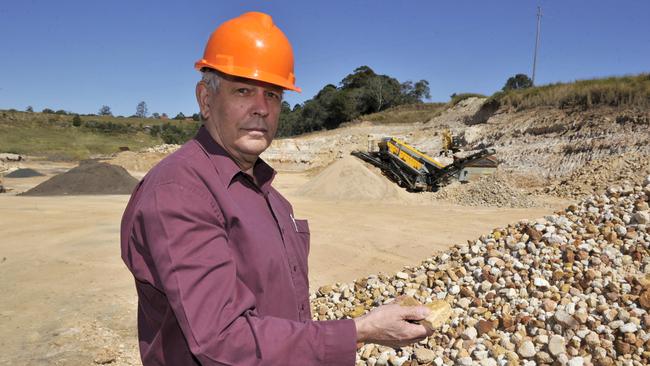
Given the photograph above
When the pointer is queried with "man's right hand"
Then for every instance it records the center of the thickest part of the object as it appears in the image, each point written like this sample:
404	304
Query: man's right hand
388	325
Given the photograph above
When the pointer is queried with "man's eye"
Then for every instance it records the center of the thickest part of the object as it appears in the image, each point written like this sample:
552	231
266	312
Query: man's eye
243	91
274	95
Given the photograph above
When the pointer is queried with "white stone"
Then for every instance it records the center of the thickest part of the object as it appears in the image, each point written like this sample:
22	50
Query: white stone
576	361
628	328
556	345
527	349
455	289
488	362
402	275
541	282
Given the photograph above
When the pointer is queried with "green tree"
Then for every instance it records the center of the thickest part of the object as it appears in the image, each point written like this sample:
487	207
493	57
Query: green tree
141	110
105	111
519	81
415	93
180	116
76	120
29	109
359	78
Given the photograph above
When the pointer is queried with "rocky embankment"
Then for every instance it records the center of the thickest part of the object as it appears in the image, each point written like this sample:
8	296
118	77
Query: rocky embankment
552	143
569	289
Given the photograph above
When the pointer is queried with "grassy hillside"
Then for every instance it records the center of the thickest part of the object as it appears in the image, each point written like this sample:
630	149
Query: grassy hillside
409	113
626	91
56	137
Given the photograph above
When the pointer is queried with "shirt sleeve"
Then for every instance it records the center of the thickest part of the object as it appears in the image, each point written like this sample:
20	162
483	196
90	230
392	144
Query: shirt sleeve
184	232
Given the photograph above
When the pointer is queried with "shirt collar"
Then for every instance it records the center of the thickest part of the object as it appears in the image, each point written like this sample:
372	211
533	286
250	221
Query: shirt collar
226	166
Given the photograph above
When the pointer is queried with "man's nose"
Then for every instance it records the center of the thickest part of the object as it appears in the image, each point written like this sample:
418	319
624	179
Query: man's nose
260	104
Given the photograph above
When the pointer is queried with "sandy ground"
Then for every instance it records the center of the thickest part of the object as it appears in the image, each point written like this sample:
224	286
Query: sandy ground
67	298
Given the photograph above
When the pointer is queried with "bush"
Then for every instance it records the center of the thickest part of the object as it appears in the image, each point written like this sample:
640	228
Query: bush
519	81
457	98
76	120
171	134
109	127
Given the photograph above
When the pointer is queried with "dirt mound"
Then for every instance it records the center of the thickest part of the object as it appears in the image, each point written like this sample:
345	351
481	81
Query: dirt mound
87	178
495	190
24	173
351	179
138	161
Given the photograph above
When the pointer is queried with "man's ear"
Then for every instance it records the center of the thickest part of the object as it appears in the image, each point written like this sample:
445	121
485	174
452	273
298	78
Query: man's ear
202	97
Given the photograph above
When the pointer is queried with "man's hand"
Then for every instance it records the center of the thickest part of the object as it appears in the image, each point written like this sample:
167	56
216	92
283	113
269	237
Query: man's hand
388	325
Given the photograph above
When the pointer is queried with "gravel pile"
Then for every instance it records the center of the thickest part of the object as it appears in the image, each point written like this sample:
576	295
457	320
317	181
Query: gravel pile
350	179
494	190
164	148
88	178
569	289
24	173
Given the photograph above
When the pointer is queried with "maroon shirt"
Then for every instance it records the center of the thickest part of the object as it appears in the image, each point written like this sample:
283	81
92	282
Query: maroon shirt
220	267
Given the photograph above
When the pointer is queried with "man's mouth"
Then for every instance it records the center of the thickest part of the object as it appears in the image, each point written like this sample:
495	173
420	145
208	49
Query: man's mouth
255	131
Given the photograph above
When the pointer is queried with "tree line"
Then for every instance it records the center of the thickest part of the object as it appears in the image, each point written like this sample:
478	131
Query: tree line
361	92
141	111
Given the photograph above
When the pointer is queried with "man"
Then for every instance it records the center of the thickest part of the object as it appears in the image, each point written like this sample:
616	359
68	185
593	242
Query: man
219	259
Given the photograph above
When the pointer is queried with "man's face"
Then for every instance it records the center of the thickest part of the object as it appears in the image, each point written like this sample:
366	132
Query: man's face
242	115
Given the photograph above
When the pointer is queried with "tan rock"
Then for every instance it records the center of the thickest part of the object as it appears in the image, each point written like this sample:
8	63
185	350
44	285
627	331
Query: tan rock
440	311
356	312
644	299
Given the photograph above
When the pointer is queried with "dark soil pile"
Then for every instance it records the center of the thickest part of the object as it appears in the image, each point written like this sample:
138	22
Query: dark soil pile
87	178
24	173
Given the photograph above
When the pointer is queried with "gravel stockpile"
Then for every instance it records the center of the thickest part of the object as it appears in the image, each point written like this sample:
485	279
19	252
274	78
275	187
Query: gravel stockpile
568	289
351	179
24	173
87	178
493	190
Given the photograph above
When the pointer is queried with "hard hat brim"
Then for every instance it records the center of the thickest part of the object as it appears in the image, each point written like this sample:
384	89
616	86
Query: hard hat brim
247	73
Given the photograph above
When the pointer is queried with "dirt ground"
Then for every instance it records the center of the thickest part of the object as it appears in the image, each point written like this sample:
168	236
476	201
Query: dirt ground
69	300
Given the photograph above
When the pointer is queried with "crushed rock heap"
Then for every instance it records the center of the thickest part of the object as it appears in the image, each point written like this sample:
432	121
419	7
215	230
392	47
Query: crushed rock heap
569	289
493	190
24	173
351	179
88	178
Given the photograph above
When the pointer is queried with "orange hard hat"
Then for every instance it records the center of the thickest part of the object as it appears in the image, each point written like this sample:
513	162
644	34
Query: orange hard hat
252	47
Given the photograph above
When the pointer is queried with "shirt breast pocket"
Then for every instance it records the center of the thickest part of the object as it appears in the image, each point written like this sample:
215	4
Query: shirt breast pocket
302	232
300	239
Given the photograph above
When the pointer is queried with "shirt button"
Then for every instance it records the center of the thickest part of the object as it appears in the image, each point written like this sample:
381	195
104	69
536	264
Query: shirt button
295	268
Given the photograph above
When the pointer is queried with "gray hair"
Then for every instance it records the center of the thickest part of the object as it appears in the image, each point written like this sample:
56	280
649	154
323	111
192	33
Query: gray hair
211	79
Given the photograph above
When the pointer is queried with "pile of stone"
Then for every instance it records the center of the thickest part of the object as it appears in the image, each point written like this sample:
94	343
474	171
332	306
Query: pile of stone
569	289
494	190
164	148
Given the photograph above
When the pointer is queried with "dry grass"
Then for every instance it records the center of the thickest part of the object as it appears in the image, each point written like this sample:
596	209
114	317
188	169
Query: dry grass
626	91
409	113
54	137
457	98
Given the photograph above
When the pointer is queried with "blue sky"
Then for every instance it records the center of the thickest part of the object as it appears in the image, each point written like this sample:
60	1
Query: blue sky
80	55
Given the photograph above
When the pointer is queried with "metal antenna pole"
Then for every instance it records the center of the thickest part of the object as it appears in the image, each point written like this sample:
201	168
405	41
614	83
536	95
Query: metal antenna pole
539	21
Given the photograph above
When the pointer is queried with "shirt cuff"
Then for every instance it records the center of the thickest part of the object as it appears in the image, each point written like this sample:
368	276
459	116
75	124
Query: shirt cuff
340	342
